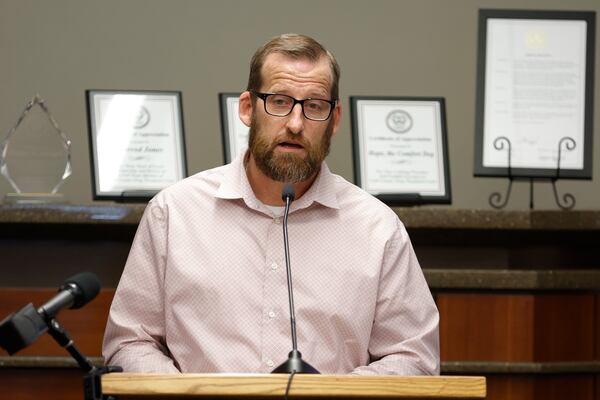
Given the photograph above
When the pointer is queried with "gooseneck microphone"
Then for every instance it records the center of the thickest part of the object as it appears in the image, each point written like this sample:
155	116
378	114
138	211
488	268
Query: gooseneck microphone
294	363
23	327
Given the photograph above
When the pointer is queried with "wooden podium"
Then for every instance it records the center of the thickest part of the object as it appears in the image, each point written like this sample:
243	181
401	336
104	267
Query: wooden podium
261	386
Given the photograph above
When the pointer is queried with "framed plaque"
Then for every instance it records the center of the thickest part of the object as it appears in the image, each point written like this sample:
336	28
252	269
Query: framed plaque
234	131
400	149
535	83
136	143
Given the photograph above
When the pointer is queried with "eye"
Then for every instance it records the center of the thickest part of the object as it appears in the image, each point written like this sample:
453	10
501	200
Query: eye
279	101
315	105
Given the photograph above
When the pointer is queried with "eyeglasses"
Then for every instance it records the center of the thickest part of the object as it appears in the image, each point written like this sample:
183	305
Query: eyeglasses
281	105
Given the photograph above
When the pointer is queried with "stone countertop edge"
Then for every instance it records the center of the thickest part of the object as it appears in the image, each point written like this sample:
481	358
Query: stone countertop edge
533	368
72	214
578	280
414	217
447	367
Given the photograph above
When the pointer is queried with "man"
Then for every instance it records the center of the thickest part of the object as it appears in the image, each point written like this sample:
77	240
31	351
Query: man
204	287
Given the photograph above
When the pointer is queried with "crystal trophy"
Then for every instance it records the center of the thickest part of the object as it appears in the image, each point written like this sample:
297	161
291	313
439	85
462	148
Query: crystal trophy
35	156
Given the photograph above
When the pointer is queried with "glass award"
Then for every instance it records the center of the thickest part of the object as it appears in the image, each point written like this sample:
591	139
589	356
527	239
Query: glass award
35	156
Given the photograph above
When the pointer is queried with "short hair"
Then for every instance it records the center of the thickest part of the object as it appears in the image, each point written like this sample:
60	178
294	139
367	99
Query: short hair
295	46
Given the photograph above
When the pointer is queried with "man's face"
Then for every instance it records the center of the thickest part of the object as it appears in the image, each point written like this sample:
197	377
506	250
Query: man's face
291	148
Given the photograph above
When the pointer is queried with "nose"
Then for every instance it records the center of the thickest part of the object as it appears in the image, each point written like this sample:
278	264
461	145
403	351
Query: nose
295	122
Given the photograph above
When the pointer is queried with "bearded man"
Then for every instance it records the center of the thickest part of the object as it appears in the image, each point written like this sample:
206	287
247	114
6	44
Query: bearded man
204	287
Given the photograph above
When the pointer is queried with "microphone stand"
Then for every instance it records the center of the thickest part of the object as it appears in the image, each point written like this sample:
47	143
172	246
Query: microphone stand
22	328
60	335
294	363
92	383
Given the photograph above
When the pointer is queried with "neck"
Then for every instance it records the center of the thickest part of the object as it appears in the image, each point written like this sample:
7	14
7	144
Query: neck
267	190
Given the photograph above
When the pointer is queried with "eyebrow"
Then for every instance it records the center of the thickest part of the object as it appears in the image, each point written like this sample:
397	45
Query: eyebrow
320	95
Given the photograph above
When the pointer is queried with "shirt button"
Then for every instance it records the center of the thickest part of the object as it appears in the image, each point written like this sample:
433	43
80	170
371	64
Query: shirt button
270	363
272	314
274	266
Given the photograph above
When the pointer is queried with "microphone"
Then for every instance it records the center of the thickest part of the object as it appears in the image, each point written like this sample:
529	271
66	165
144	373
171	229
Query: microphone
20	329
294	363
288	193
74	293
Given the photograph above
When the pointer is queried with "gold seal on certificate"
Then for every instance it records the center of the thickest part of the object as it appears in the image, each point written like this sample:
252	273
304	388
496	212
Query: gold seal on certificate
399	121
142	118
400	150
137	143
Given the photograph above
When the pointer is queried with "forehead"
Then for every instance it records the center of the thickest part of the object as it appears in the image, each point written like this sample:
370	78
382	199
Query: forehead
281	72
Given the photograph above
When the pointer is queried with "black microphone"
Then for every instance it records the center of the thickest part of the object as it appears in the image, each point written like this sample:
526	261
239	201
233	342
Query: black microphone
288	194
294	363
20	329
74	293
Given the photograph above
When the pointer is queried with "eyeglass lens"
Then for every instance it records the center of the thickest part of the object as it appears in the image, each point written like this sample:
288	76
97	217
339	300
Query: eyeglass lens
281	105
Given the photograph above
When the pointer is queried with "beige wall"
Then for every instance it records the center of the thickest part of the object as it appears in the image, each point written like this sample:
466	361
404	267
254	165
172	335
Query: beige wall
60	48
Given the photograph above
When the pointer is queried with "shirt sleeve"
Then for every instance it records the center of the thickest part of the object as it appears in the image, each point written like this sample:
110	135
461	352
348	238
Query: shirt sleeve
134	338
405	335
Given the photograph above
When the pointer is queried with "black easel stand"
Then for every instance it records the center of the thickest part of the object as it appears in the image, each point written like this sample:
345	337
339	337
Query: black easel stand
92	383
568	200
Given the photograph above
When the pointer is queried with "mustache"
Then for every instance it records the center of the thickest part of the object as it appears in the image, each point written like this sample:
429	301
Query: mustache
288	138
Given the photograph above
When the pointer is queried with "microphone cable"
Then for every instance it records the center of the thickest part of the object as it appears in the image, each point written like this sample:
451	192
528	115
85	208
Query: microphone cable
289	384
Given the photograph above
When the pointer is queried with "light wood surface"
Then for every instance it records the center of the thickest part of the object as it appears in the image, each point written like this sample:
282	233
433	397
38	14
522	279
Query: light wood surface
338	386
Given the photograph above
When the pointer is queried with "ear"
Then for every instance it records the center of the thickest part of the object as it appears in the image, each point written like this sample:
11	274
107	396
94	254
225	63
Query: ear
245	108
336	115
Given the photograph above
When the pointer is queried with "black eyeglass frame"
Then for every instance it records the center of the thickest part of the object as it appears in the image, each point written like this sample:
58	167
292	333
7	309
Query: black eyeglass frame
265	96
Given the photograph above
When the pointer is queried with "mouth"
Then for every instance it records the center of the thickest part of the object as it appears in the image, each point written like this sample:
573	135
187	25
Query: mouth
290	146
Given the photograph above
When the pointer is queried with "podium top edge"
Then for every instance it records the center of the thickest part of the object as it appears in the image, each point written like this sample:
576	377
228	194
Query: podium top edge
271	385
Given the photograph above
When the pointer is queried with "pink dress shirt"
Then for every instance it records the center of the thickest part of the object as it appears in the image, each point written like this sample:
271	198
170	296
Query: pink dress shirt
204	286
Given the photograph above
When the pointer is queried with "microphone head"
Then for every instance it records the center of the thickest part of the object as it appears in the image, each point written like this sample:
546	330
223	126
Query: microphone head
288	192
85	286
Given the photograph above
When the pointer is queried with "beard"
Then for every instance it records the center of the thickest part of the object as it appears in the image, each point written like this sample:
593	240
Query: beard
287	167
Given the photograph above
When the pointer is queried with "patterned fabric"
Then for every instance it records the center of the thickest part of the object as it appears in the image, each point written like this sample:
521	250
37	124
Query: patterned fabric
204	288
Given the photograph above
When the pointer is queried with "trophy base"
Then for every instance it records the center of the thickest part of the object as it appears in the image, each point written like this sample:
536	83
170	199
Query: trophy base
34	198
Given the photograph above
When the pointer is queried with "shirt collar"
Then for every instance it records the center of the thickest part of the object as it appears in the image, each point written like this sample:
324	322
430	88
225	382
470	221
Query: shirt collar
235	185
322	191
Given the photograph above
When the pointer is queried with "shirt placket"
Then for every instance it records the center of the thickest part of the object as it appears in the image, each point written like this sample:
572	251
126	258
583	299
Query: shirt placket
274	304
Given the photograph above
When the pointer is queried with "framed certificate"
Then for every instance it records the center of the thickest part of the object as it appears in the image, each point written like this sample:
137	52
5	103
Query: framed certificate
136	143
234	131
400	149
535	85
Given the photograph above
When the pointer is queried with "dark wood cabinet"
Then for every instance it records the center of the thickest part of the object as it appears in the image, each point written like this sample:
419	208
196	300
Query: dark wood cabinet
518	292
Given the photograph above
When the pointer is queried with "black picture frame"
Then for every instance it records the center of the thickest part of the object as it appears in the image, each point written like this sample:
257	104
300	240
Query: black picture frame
144	156
233	133
435	138
554	150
